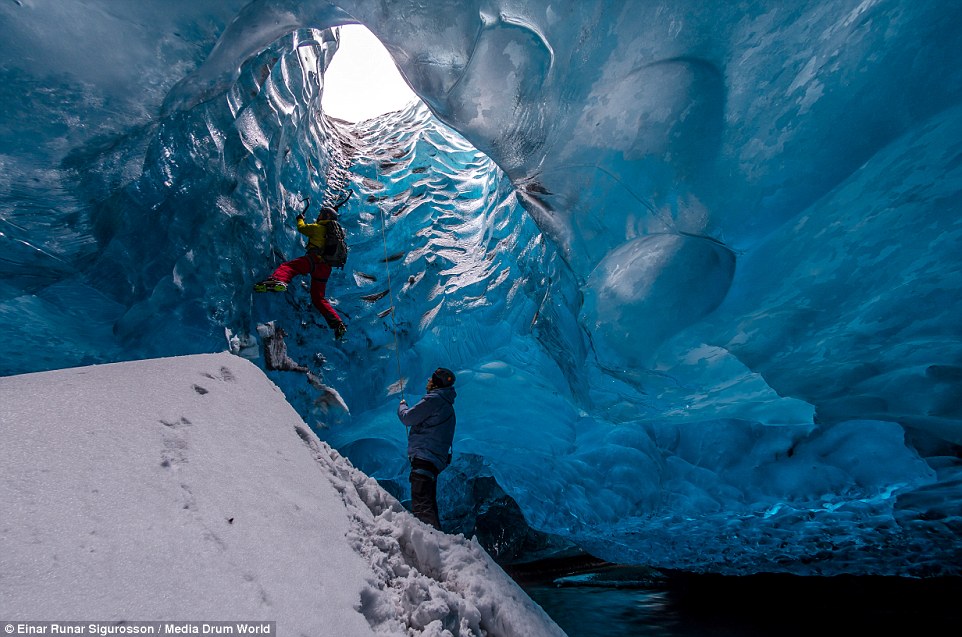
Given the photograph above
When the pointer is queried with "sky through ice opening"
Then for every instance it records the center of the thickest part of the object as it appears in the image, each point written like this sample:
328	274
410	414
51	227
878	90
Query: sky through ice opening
362	81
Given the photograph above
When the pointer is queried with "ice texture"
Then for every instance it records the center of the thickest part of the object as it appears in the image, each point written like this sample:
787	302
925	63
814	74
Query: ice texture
701	289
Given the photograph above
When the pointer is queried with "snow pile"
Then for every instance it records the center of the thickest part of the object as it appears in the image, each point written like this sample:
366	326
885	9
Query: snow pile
188	488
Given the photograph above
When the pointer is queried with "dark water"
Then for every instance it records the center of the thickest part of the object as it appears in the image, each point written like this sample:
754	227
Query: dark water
598	611
608	603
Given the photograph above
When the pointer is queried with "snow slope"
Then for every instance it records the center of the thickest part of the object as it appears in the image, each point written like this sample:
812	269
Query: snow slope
188	489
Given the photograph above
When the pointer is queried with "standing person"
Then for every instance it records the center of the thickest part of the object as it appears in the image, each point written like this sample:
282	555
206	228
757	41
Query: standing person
431	425
311	264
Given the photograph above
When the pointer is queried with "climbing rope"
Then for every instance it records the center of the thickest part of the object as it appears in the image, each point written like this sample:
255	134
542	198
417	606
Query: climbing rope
387	267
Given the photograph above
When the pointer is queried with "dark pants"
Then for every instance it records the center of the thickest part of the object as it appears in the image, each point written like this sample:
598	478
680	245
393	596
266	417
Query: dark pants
424	492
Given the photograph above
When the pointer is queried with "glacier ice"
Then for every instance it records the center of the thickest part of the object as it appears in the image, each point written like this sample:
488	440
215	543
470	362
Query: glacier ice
701	290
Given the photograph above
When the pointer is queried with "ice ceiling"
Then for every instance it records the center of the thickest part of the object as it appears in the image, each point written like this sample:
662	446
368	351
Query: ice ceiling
704	305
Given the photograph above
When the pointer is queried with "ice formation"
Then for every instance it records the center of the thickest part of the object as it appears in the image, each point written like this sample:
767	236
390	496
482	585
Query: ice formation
702	292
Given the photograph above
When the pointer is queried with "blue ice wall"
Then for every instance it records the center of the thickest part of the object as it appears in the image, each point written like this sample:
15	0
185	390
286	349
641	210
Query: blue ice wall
701	291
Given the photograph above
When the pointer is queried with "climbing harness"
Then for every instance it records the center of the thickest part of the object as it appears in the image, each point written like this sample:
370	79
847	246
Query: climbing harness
387	267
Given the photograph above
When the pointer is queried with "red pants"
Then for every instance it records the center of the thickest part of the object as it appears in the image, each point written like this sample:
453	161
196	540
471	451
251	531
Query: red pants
319	272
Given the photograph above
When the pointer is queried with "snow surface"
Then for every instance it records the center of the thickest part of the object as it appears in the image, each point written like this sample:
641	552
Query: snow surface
189	489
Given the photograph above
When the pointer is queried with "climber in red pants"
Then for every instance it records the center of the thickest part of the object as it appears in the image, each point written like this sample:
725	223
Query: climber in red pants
313	264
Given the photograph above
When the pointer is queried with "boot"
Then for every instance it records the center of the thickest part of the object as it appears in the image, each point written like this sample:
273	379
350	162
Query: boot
270	285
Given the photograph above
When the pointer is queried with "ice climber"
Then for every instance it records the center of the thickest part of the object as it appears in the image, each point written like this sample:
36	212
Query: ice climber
430	436
314	264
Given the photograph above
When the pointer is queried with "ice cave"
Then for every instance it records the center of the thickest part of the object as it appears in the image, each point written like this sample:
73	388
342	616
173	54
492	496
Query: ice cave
697	265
